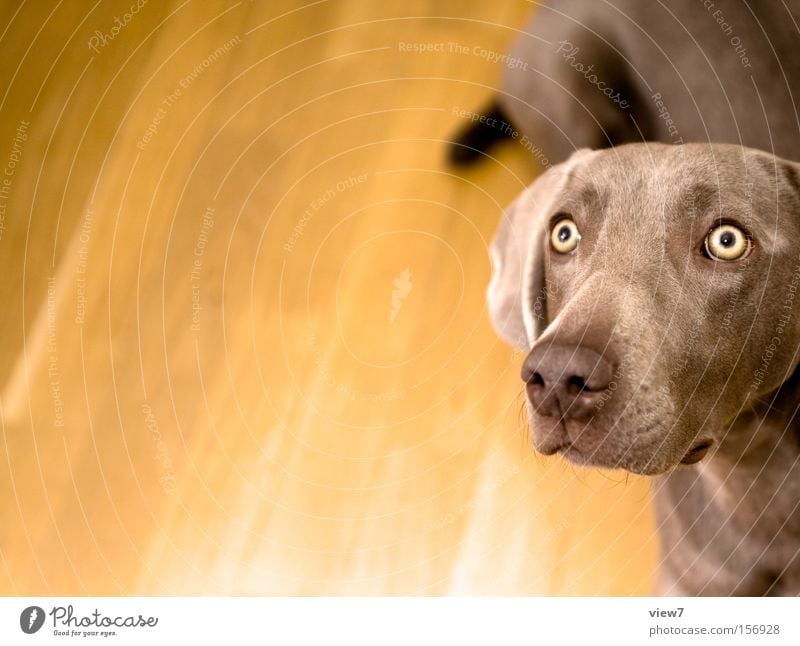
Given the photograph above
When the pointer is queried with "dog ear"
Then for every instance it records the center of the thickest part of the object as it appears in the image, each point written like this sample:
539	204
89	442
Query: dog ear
517	293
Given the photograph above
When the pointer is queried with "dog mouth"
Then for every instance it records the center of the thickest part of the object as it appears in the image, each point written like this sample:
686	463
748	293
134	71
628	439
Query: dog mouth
697	452
562	448
572	451
574	454
559	440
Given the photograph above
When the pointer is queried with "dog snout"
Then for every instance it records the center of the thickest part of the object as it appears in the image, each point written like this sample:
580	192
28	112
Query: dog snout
566	381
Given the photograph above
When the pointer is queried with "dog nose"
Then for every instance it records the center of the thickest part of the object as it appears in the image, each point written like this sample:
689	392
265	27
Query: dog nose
566	380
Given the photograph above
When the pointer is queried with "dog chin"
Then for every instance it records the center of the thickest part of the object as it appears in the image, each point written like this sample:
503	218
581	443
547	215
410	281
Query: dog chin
596	457
587	449
642	467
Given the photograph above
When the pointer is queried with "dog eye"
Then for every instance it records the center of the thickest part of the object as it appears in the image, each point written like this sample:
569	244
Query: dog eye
565	236
727	242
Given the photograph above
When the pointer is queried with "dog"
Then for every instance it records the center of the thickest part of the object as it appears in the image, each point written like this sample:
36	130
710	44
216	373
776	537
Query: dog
645	350
601	73
656	291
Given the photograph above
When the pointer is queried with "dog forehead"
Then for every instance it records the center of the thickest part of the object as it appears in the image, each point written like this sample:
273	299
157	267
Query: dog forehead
644	183
666	168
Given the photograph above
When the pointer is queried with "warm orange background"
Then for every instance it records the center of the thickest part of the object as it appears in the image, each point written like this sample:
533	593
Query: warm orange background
290	436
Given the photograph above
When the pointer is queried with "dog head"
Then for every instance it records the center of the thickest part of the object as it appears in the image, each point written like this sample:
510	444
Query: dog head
655	290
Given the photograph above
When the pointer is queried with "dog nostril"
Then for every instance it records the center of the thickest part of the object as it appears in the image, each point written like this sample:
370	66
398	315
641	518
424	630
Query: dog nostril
577	385
537	379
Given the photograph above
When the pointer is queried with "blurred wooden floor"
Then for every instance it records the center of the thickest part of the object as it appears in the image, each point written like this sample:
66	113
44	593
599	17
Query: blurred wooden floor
208	385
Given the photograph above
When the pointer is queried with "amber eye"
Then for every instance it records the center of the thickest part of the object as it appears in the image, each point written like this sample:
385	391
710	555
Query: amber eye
565	236
727	242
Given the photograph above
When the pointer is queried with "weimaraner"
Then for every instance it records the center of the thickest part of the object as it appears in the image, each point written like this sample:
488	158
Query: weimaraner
654	287
655	290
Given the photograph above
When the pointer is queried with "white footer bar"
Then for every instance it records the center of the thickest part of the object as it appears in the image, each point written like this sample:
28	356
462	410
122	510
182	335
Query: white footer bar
401	621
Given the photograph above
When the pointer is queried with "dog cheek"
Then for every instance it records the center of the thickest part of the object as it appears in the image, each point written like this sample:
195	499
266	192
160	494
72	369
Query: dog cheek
662	432
773	359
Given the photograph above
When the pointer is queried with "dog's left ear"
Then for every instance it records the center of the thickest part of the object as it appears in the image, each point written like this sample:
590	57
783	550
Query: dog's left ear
517	295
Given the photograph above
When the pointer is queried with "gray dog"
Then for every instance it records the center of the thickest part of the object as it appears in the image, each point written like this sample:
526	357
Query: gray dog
654	286
600	73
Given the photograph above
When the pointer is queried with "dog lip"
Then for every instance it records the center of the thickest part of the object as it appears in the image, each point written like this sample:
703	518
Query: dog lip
555	448
697	452
561	444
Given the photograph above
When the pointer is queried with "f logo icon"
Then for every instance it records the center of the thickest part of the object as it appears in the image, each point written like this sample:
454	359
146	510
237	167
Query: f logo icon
31	619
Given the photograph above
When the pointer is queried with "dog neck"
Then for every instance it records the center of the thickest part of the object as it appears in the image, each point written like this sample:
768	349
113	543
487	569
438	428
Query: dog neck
769	425
754	471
